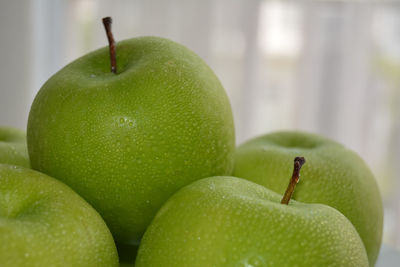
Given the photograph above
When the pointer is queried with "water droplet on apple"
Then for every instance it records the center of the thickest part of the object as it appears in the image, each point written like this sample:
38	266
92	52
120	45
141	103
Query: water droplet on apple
212	186
256	261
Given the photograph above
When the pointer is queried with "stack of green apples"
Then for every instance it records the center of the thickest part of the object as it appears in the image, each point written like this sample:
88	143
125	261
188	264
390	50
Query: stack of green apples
132	146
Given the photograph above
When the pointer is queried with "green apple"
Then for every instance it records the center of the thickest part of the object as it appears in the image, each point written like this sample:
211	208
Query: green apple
228	221
44	223
13	147
126	141
334	176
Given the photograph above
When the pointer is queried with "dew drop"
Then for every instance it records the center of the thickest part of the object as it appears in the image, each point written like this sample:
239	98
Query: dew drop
212	186
256	261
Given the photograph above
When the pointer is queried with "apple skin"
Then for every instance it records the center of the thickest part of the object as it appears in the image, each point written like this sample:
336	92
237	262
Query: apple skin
228	221
127	141
44	223
13	148
334	176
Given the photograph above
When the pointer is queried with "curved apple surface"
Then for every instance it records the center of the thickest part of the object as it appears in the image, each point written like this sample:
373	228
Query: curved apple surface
13	147
334	176
127	141
228	221
44	223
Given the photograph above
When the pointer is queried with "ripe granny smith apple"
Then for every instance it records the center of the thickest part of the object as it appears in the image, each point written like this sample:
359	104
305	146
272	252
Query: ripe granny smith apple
334	176
13	147
228	221
126	141
44	223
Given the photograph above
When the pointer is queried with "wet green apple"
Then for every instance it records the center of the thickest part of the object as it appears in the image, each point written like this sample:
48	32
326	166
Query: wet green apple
44	223
126	141
228	221
13	147
334	176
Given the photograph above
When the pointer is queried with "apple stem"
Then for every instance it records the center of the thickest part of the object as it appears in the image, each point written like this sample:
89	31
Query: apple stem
111	43
298	163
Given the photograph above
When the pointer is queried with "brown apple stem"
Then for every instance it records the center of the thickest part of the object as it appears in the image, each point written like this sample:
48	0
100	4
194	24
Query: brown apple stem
298	163
111	43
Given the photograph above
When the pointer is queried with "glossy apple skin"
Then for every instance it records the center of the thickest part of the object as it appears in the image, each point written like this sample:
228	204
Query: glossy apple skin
227	221
13	148
127	141
333	175
44	223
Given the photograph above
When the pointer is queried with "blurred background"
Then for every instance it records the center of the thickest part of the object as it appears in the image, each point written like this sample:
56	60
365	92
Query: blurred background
329	67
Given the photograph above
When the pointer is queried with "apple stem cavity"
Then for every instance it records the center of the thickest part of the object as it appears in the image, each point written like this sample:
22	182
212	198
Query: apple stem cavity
298	163
107	21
